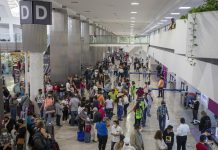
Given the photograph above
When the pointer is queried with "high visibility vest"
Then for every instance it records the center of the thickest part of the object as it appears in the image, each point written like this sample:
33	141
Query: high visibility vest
138	113
142	105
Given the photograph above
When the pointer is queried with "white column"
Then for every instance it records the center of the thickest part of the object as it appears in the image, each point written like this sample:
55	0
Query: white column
86	51
74	46
11	32
58	46
36	73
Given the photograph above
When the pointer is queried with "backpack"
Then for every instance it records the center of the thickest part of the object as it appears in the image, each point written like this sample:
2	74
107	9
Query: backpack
39	142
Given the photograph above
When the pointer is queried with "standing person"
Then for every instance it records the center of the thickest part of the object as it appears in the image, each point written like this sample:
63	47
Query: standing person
13	107
133	90
49	108
120	106
21	133
201	145
39	100
5	140
195	109
205	122
136	138
68	87
162	112
159	141
96	118
168	137
109	107
159	69
8	123
181	134
116	132
150	102
102	133
126	103
74	105
58	111
25	103
160	87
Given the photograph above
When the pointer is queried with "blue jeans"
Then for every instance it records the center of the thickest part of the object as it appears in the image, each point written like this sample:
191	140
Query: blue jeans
109	112
144	117
119	111
48	118
162	122
73	117
13	111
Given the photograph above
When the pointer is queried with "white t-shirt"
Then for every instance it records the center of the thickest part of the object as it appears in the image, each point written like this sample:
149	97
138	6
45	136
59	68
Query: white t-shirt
120	102
68	87
109	103
118	130
126	100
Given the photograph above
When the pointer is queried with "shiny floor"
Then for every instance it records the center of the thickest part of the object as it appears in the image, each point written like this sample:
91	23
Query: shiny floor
66	135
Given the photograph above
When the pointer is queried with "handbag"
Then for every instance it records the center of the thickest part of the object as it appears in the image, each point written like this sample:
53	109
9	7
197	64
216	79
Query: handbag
20	141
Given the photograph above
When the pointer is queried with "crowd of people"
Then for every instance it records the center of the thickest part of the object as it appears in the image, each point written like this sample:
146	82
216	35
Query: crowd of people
97	107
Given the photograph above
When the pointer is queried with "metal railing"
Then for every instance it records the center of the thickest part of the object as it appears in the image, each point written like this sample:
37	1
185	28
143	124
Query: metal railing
14	38
118	39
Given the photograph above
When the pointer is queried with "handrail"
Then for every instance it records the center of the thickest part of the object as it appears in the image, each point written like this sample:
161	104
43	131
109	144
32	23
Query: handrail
118	39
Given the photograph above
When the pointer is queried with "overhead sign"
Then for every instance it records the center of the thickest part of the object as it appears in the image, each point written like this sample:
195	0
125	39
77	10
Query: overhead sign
35	12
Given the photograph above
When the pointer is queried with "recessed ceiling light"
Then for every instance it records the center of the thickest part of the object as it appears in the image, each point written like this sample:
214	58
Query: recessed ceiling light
132	17
184	7
164	20
132	21
134	3
168	17
133	12
175	13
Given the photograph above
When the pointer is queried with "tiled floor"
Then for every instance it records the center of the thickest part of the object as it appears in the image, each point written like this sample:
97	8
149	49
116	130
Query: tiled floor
66	135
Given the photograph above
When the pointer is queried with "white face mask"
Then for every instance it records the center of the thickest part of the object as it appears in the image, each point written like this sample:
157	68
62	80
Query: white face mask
4	133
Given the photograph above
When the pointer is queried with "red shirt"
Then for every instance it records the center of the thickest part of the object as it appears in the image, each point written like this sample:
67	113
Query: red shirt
201	146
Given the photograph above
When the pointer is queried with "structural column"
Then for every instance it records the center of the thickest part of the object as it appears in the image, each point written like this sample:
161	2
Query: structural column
86	50
35	45
92	32
59	45
74	45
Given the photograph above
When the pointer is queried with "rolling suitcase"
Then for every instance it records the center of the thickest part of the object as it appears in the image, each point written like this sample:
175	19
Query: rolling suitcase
80	136
87	137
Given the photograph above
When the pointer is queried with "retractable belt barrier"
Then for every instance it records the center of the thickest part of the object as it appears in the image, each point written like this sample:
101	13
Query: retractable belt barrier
151	73
165	89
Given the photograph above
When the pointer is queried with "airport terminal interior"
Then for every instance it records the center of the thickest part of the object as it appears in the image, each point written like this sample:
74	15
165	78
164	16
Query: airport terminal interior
109	74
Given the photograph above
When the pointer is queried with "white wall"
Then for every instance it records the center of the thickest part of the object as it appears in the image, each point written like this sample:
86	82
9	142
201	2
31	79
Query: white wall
207	35
203	76
172	39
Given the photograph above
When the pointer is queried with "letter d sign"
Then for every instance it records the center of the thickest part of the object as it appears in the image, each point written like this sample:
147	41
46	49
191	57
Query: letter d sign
35	12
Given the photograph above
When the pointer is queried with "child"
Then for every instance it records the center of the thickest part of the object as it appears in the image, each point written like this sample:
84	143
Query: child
88	128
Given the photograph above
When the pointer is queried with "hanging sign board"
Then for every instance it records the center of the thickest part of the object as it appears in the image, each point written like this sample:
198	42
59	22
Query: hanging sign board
35	12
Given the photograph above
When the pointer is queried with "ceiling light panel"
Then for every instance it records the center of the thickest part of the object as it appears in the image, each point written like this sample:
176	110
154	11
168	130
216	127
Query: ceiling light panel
134	3
185	8
175	13
134	12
